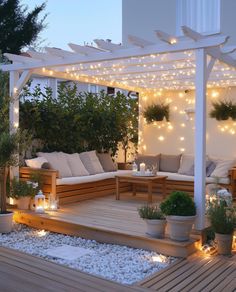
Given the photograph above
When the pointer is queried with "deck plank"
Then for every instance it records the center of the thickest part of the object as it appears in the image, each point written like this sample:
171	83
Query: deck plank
27	273
196	273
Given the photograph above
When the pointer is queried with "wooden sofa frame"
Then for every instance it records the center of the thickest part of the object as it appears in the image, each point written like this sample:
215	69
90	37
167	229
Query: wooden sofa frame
83	191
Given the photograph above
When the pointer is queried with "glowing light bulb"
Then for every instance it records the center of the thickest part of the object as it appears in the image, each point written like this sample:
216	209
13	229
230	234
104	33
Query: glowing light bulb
161	138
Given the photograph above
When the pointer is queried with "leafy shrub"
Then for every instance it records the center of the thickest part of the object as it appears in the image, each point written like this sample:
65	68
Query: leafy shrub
223	110
222	218
178	204
79	121
150	212
20	189
157	112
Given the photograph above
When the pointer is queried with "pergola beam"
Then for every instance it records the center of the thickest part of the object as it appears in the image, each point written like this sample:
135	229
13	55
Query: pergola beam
108	46
84	50
72	58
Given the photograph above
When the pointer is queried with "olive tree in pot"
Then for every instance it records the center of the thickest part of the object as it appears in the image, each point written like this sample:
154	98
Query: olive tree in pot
223	222
180	212
154	219
8	148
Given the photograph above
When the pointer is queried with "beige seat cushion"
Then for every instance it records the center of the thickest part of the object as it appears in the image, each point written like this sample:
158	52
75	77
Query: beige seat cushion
91	178
57	161
76	165
91	162
170	163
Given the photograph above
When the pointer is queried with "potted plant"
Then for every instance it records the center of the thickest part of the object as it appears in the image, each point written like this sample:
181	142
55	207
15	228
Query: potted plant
154	219
22	192
223	222
180	212
223	110
157	112
8	147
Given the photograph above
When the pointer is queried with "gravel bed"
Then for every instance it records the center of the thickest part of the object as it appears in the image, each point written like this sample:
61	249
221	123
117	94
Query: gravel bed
122	264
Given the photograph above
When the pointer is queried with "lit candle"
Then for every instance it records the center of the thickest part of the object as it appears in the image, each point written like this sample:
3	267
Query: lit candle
142	168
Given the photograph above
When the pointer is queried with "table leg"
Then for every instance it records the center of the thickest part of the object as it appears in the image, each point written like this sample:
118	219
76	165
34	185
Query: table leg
164	188
117	188
150	192
134	189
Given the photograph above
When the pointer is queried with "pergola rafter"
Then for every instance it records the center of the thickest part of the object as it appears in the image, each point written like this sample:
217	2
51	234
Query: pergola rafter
175	63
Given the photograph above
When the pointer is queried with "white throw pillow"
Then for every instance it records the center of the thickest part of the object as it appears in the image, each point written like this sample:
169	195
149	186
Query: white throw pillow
91	162
223	167
36	162
57	161
76	165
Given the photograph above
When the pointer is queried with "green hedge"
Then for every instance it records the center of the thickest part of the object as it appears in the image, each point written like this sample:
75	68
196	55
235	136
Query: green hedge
75	121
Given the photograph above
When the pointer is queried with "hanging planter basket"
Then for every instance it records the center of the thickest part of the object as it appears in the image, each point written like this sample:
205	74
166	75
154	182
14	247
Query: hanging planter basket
223	110
157	113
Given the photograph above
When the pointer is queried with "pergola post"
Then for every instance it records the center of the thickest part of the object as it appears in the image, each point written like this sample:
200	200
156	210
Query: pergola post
53	85
17	82
14	101
200	137
14	111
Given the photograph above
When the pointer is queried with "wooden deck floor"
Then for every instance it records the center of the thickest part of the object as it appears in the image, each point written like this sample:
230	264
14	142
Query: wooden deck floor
20	272
106	220
195	274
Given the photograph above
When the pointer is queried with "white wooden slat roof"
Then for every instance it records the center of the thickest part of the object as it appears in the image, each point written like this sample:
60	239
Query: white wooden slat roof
167	64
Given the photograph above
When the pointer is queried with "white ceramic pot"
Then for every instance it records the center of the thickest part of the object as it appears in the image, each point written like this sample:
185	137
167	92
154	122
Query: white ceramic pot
23	203
155	227
180	227
224	243
6	222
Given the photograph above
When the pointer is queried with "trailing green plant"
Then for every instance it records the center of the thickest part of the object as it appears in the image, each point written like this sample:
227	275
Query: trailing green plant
79	121
178	204
222	217
157	112
150	212
223	110
21	189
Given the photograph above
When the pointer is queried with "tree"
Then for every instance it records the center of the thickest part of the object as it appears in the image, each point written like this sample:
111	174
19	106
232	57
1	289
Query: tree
18	27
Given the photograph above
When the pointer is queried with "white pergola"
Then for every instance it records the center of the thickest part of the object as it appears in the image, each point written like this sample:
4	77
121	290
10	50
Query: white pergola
188	62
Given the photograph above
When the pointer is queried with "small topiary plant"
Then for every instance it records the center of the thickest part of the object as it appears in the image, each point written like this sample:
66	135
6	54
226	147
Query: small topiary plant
178	204
150	212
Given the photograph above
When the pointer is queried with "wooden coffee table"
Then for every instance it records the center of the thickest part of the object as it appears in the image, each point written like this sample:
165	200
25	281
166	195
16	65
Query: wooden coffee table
144	180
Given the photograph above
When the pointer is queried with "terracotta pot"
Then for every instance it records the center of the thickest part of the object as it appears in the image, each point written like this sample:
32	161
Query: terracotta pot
224	243
180	227
6	222
23	203
155	227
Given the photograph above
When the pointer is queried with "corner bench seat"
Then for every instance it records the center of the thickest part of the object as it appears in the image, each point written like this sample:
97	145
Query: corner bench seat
74	189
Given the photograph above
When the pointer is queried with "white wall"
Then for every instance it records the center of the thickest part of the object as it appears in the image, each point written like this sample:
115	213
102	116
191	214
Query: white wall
142	17
178	135
228	19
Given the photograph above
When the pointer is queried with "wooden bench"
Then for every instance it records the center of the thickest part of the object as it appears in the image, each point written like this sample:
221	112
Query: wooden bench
83	191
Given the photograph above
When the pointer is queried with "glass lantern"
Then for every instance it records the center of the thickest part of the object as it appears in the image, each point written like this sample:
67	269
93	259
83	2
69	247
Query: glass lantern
53	202
39	200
